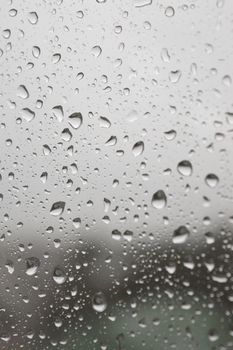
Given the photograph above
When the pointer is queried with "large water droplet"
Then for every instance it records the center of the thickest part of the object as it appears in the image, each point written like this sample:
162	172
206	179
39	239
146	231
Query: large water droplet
66	135
212	180
75	120
185	168
59	276
138	148
33	17
28	114
32	265
57	208
58	113
99	303
180	235
22	92
159	200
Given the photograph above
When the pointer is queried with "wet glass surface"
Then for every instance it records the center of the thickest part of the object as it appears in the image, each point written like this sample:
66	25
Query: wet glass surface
116	175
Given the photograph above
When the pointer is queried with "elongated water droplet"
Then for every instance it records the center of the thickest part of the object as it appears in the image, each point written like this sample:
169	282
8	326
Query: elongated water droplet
138	148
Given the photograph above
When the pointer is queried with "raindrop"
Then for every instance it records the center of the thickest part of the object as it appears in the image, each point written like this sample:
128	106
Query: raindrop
22	92
28	114
32	265
185	168
159	200
212	180
180	235
169	11
59	276
66	135
58	113
96	51
57	208
175	76
138	148
99	303
142	3
56	58
33	17
75	120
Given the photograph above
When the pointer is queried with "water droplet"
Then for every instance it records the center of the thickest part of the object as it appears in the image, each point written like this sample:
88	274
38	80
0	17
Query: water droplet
111	141
96	51
22	92
46	150
142	3
159	200
66	135
56	58
180	235
59	276
33	17
77	223
76	120
212	180
32	265
58	113
28	114
138	148
36	51
174	76
57	208
169	11
185	168
170	134
99	303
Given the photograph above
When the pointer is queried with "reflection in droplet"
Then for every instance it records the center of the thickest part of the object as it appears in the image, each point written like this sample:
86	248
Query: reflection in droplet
57	208
99	303
185	168
138	148
180	235
76	120
159	200
212	180
59	276
32	265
